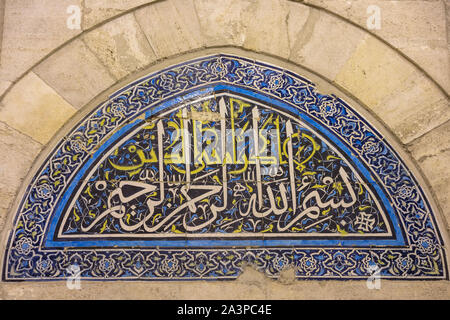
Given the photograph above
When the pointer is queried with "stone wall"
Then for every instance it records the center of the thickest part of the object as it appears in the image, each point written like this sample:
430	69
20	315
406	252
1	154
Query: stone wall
398	74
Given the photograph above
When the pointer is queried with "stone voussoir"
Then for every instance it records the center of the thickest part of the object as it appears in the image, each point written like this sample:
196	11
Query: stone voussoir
325	43
415	108
18	153
75	73
171	27
96	11
221	22
31	30
120	45
432	153
35	109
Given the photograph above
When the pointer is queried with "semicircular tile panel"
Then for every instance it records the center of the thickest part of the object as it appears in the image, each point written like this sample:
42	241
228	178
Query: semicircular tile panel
192	171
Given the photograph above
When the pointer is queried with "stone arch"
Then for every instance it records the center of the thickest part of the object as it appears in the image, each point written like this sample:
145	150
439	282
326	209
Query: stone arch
96	13
353	66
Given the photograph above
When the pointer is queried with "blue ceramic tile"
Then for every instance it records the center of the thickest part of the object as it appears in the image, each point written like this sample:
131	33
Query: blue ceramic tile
192	171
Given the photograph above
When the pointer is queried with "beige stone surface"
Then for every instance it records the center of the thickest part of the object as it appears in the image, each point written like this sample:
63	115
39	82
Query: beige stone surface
433	59
75	73
120	45
2	15
431	144
39	113
415	27
18	153
171	26
262	26
373	72
432	152
31	30
447	10
296	19
4	85
436	170
325	44
221	21
415	108
266	27
96	11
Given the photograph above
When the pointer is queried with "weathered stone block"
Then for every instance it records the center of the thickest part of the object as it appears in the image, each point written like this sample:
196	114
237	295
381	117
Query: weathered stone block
120	45
296	19
18	152
266	27
34	108
416	28
325	44
31	30
4	85
171	26
432	143
436	170
415	108
96	11
432	152
373	72
75	73
221	21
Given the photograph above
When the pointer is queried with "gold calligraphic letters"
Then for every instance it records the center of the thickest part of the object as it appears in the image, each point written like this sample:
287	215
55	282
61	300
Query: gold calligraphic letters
191	171
223	166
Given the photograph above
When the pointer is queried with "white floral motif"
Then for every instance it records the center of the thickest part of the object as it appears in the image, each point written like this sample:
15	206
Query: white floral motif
328	108
308	264
118	109
170	265
405	192
365	221
167	82
219	69
370	147
107	265
276	82
44	265
279	263
201	263
24	245
44	191
77	145
404	263
426	245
